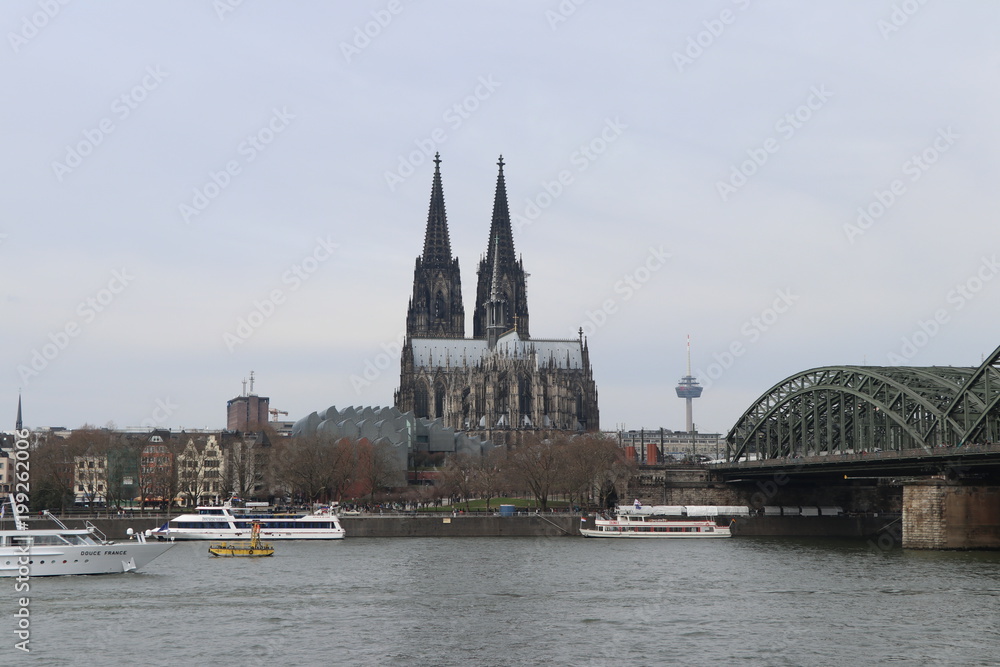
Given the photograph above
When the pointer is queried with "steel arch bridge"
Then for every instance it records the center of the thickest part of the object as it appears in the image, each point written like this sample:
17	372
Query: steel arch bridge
849	409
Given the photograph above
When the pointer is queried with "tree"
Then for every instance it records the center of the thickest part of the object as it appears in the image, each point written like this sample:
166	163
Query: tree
375	464
491	475
313	466
538	463
459	477
594	463
53	467
245	463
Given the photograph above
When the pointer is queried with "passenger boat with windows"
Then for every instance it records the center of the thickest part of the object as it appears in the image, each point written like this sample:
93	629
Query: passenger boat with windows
252	549
234	519
651	522
46	552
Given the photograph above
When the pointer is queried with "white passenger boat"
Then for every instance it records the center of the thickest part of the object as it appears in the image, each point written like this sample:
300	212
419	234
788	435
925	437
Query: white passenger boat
33	552
233	520
644	521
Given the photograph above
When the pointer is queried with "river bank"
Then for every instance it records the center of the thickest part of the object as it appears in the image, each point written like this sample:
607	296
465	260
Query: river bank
553	524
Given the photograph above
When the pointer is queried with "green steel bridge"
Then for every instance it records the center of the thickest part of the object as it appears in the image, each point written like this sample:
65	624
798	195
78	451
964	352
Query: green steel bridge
890	419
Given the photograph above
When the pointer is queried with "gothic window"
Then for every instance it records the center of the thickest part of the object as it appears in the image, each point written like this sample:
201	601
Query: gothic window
581	417
465	408
420	400
502	396
439	306
439	400
524	396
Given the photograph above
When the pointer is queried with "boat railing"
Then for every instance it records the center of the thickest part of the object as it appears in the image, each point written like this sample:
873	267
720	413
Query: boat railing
52	517
95	530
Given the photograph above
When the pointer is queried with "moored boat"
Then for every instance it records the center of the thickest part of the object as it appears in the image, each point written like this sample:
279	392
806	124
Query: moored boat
46	552
639	521
235	520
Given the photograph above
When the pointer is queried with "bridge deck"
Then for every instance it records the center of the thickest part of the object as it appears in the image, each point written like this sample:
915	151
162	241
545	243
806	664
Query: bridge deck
957	461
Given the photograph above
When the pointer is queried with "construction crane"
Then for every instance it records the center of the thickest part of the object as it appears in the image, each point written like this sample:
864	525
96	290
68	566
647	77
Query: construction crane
275	412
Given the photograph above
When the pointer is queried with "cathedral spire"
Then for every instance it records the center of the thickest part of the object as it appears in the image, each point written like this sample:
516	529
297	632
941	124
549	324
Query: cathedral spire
500	232
18	426
437	245
501	266
435	309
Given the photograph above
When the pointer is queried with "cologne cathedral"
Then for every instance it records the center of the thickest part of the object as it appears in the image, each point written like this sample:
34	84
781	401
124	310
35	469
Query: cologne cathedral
501	381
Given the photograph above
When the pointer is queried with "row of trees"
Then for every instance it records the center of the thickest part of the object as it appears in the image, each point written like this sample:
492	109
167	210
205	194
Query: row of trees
317	468
586	469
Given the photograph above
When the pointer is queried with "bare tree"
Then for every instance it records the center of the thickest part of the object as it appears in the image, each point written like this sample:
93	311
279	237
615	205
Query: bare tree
538	462
245	463
459	477
311	465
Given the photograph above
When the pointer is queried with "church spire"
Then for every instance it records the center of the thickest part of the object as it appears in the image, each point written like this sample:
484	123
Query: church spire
500	266
18	426
437	245
500	233
436	309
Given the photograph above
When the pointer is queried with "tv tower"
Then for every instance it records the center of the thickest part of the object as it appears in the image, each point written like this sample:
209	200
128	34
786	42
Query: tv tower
689	389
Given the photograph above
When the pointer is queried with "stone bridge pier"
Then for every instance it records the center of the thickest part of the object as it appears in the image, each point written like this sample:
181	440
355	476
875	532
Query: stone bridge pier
941	514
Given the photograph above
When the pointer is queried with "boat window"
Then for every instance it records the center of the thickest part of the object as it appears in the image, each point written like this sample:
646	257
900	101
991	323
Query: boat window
710	530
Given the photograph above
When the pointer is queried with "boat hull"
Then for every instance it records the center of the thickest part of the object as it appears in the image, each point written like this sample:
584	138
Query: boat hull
183	534
57	560
628	534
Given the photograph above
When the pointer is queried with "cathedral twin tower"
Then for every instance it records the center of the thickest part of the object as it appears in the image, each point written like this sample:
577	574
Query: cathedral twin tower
500	380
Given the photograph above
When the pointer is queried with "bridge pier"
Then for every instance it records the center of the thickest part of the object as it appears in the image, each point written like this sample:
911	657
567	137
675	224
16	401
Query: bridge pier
941	514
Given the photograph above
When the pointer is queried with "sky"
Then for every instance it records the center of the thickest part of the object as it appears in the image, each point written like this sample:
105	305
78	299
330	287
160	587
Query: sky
192	191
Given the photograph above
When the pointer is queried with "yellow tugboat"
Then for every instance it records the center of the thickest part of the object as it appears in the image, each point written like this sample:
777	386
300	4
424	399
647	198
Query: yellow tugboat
253	549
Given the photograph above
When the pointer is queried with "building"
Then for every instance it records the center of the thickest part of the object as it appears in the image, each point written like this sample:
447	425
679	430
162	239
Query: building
500	381
248	411
201	470
407	442
661	445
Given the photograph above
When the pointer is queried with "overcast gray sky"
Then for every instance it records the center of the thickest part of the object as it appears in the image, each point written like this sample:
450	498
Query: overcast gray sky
192	191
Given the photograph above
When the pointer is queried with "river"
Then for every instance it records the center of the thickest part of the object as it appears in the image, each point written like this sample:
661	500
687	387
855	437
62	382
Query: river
524	601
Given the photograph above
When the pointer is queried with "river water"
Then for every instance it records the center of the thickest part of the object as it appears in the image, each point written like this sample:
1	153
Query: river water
524	601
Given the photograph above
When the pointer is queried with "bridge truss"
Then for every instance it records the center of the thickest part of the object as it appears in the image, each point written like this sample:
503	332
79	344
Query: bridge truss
844	409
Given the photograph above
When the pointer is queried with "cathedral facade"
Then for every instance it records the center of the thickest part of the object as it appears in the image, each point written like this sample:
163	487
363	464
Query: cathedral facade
500	381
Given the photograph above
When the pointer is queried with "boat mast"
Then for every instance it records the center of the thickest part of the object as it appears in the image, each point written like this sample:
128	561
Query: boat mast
19	523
